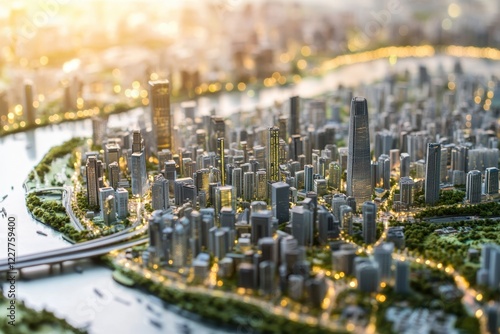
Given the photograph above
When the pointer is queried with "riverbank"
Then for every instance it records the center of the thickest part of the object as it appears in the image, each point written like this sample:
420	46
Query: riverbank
222	309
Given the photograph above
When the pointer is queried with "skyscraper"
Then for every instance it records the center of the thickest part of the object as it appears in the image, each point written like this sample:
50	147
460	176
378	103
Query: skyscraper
432	173
29	109
358	159
221	159
92	182
473	187
121	202
491	181
279	201
369	226
273	146
113	174
294	115
160	114
139	175
404	167
107	204
160	193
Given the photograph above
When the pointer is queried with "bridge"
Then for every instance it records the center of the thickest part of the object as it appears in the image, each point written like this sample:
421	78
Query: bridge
129	237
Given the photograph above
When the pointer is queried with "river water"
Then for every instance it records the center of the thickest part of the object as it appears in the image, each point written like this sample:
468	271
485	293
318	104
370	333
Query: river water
71	295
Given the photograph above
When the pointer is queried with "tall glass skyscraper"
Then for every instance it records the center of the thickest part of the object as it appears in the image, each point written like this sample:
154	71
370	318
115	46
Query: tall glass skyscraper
273	147
432	173
358	159
160	114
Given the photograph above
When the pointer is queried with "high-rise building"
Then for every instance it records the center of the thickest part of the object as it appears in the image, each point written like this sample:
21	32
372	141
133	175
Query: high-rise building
160	193
139	175
402	280
294	115
107	204
369	227
404	167
334	175
121	201
280	201
473	187
261	185
383	256
221	159
406	185
302	225
358	159
159	97
92	182
179	246
261	225
29	109
113	175
367	275
432	173
308	178
491	181
111	153
273	156
248	186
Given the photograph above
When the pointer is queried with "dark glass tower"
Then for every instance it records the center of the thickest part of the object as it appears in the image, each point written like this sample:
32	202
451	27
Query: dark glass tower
358	159
160	114
432	173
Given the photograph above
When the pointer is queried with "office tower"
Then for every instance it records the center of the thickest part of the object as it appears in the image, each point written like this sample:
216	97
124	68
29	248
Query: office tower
159	98
139	175
320	187
375	174
246	276
160	193
99	125
217	130
334	176
404	167
29	109
492	318
432	173
358	159
385	171
295	286
302	225
280	201
402	280
316	289
184	190
337	201
248	186
369	225
383	142
170	173
308	178
473	187
346	219
179	246
282	121
220	244
406	186
237	181
367	275
269	249
325	223
443	165
261	186
494	268
491	181
266	277
202	179
163	156
121	200
394	157
261	225
111	153
383	256
343	259
107	205
113	175
221	160
227	218
294	115
224	196
137	142
273	157
155	233
92	182
295	147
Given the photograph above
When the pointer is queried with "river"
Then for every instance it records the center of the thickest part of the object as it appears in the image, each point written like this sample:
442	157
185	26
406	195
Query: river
71	295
